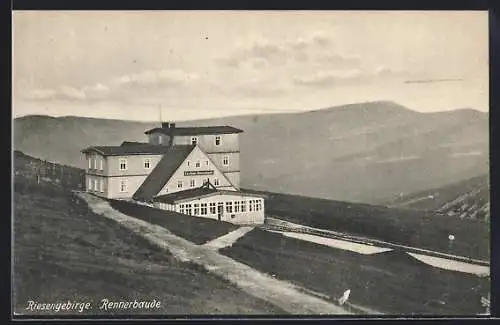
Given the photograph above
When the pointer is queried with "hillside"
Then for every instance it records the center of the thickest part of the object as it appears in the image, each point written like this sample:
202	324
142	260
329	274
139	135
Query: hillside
391	282
64	252
421	229
361	152
466	199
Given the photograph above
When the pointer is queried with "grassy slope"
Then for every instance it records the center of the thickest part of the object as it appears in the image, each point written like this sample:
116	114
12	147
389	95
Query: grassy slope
64	252
390	282
463	199
195	229
406	227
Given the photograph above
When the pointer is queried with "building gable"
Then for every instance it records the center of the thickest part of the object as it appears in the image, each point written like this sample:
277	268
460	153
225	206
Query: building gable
187	173
162	172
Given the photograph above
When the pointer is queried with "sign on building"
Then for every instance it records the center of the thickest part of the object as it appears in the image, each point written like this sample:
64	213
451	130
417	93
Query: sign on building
198	172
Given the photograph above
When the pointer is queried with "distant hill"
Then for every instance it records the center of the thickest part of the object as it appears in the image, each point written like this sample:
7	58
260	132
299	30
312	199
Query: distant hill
363	152
468	199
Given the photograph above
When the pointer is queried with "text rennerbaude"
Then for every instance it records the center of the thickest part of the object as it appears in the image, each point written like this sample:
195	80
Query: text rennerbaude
107	305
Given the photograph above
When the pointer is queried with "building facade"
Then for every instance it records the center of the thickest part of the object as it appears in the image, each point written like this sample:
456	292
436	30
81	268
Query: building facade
220	143
178	169
208	202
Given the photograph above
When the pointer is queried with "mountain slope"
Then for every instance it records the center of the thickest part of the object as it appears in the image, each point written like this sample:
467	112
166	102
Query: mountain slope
466	199
361	152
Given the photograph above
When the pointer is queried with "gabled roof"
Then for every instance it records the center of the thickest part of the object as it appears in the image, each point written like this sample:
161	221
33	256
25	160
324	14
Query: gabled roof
203	191
128	148
162	172
196	130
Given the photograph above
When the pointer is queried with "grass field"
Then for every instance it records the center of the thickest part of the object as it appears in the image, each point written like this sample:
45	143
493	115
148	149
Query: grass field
406	227
62	252
195	229
390	282
434	199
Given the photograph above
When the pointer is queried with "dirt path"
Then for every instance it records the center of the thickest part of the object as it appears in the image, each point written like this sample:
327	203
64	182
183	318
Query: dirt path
228	239
280	293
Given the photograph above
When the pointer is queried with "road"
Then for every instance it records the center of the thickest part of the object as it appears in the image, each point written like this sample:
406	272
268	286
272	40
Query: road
280	293
282	225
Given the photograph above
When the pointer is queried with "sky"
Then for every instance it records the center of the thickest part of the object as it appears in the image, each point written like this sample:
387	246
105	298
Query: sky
198	64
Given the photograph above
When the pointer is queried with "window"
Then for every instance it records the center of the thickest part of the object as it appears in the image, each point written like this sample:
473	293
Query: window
196	209
90	163
102	186
198	164
217	140
101	164
147	163
216	182
243	206
192	183
90	183
188	163
160	139
212	207
123	185
225	161
188	209
179	183
96	186
259	205
229	207
123	164
236	206
95	163
206	162
181	209
194	140
250	205
203	209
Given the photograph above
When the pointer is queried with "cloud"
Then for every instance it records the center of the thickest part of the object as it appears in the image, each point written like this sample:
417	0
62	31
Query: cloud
116	87
432	80
155	78
328	78
342	76
300	50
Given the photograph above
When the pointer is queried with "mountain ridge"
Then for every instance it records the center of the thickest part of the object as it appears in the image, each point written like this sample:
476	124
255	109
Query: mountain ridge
361	152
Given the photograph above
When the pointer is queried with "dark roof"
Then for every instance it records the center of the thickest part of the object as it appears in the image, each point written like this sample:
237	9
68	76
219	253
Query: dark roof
131	143
128	148
204	190
162	172
186	194
196	130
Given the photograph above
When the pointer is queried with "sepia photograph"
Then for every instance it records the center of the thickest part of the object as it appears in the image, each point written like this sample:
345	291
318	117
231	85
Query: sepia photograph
250	163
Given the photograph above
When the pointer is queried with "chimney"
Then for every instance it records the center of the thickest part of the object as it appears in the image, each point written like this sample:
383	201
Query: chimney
164	125
171	135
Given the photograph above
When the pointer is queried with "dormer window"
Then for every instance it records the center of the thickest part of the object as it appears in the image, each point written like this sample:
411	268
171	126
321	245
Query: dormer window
217	140
194	140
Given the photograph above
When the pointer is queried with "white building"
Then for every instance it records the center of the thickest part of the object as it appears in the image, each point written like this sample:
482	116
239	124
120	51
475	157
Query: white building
176	160
207	201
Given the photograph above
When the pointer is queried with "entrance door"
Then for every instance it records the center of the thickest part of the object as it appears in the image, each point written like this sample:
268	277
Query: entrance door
220	211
